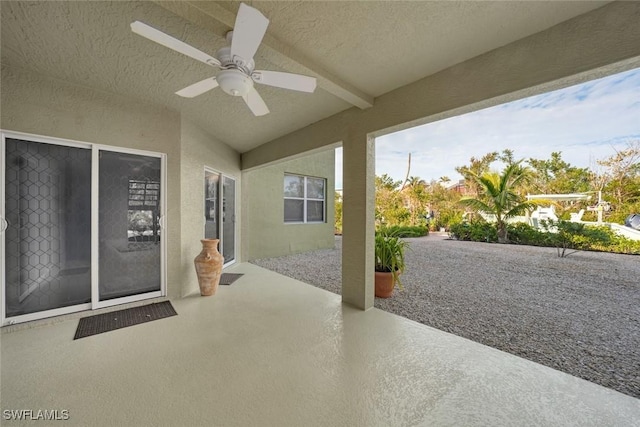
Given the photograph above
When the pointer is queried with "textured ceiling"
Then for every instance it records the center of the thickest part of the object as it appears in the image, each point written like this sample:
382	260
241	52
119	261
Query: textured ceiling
367	47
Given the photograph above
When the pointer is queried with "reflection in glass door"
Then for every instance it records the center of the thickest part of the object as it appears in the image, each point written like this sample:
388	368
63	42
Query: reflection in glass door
48	226
211	202
229	219
219	213
129	224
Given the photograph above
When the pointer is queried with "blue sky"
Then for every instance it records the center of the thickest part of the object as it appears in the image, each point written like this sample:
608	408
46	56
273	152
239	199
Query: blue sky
585	122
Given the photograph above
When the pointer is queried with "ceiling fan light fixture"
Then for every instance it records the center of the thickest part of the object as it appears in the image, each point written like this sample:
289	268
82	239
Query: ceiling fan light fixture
236	63
234	82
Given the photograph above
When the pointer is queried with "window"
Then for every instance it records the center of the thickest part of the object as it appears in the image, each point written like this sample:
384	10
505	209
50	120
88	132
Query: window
304	199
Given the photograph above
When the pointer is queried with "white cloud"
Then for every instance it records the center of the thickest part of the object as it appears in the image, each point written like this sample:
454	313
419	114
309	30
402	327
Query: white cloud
582	121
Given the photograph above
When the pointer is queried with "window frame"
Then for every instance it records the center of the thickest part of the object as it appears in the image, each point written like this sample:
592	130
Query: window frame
305	199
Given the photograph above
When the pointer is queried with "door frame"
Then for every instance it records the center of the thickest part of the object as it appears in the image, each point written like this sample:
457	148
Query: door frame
219	211
95	231
95	302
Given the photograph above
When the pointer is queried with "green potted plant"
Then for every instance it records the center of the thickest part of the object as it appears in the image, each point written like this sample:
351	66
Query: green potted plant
389	251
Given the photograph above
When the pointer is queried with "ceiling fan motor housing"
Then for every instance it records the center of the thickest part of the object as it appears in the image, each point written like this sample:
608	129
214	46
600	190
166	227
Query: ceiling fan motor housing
230	62
234	82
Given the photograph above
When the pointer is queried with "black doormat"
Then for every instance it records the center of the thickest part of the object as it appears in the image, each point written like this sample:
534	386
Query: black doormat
229	278
106	322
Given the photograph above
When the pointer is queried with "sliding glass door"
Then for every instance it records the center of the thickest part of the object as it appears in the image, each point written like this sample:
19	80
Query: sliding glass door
80	226
220	212
47	196
129	224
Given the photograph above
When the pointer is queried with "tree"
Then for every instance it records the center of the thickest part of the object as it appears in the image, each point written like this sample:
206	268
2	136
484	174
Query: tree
385	182
556	176
506	157
497	196
415	194
443	202
622	174
390	209
477	167
338	213
618	177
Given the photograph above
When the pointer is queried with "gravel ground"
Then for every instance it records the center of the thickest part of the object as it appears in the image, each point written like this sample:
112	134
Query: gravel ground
580	314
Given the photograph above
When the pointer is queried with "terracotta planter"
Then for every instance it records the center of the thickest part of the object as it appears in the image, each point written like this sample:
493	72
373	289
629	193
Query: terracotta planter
209	267
384	284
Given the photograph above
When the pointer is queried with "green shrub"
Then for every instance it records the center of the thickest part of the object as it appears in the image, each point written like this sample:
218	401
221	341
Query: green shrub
405	230
524	234
577	236
475	231
446	219
563	235
619	215
616	243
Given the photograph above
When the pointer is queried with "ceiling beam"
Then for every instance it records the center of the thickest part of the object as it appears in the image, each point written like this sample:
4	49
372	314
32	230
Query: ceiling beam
219	20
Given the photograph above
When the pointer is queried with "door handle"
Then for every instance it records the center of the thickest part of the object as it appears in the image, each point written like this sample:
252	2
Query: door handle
3	224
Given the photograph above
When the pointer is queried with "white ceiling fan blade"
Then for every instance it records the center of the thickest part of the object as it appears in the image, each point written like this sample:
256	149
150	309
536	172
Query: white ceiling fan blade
255	103
198	88
248	32
285	80
166	40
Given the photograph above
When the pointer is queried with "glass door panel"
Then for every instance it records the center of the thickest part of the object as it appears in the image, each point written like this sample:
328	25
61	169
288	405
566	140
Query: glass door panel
211	205
228	219
48	238
219	212
129	224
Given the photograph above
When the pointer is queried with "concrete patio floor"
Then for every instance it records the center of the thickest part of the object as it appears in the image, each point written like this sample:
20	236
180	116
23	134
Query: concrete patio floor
270	350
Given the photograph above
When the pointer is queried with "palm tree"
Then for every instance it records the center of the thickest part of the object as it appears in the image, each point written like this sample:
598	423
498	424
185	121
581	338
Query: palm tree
497	196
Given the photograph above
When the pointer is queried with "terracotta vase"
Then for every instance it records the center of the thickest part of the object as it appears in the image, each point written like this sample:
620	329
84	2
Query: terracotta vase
209	267
384	284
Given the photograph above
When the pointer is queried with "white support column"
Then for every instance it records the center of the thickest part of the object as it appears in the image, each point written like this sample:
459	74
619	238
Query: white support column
358	222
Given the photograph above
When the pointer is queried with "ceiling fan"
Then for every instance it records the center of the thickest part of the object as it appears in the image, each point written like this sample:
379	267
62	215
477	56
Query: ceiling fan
237	73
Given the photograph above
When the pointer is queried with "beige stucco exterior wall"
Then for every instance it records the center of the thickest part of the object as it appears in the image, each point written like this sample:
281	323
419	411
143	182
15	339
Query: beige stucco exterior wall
264	232
199	149
39	105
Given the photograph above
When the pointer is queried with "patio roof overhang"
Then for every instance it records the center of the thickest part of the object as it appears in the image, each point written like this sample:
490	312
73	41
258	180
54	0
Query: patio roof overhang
592	45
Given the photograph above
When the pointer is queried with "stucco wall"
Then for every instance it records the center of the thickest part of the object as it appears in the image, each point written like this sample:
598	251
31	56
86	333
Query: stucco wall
39	105
264	231
200	149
